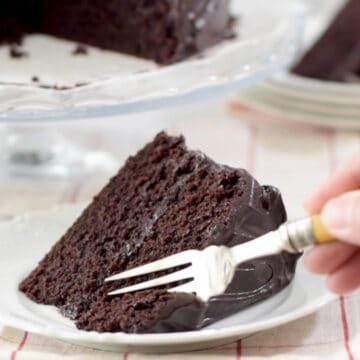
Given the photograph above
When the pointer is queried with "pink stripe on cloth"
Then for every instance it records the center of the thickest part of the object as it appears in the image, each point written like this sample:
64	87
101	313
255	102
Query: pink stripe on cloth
344	321
20	347
126	356
345	328
238	349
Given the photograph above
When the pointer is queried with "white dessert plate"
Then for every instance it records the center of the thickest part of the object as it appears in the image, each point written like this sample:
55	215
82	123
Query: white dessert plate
25	240
306	100
267	37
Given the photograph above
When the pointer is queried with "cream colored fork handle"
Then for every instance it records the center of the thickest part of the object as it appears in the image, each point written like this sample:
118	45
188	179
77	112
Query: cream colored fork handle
303	233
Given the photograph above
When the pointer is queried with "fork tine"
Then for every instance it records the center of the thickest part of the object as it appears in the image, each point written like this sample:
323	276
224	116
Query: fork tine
162	264
162	280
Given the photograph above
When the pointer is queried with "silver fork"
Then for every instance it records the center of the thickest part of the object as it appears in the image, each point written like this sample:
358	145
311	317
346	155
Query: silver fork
211	270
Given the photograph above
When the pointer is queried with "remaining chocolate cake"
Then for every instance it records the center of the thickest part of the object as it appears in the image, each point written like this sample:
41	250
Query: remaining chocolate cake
164	200
336	55
163	30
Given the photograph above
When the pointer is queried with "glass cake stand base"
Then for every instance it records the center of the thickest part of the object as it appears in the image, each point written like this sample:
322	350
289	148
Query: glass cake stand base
33	151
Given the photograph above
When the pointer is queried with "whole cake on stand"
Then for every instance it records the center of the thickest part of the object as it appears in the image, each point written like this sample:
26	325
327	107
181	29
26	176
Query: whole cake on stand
66	60
163	30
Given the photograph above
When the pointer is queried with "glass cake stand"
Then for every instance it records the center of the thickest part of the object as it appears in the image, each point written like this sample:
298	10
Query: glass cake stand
51	85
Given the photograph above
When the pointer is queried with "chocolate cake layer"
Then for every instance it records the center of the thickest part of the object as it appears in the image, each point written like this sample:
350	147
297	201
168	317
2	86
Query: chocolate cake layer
162	30
164	200
336	55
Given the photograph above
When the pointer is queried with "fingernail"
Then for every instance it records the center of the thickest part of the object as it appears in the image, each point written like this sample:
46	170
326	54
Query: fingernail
341	216
337	213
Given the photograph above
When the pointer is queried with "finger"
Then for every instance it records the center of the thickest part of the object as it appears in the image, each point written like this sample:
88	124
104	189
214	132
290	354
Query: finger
325	259
341	217
344	180
347	277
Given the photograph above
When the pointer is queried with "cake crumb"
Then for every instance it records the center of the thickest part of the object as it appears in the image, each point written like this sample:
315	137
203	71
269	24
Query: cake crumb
16	53
80	50
35	79
81	83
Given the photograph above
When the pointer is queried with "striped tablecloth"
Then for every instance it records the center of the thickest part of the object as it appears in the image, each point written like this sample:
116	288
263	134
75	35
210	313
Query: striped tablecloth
293	158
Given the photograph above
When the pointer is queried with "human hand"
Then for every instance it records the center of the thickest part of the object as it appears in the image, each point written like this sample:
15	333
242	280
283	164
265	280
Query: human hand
338	202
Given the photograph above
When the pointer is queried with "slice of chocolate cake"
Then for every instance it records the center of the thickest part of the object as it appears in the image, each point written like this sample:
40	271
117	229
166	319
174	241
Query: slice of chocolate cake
162	30
164	200
336	55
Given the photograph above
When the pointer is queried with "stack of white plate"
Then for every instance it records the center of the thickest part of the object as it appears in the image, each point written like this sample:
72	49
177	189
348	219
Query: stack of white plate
307	100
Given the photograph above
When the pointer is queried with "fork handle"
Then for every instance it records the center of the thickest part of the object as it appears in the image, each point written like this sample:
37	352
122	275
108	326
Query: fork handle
306	232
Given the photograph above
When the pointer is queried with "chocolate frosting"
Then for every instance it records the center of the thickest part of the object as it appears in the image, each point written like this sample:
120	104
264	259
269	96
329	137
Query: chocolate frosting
200	24
254	281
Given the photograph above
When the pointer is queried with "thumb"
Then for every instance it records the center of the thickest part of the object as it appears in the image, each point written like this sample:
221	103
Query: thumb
341	216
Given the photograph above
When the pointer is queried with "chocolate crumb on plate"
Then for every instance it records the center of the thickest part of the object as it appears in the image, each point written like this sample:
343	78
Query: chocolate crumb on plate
80	50
17	53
